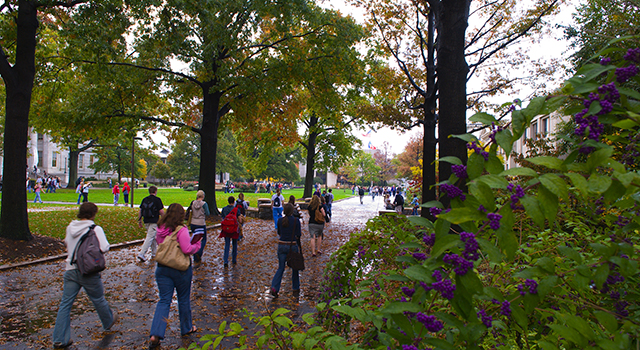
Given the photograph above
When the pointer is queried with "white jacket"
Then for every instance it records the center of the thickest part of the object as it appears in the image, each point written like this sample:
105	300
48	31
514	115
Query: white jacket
75	230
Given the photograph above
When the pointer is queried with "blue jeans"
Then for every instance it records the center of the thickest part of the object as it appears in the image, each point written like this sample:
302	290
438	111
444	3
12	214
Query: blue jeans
168	279
203	240
37	199
79	197
283	250
92	284
329	209
277	214
234	254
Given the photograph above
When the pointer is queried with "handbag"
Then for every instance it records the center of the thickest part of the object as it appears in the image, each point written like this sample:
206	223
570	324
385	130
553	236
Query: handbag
318	217
295	260
169	253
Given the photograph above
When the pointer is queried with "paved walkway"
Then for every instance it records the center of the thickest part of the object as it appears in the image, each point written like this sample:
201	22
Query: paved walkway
29	296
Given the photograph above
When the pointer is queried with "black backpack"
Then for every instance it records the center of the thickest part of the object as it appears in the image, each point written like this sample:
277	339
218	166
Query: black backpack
361	191
146	208
87	255
276	201
399	199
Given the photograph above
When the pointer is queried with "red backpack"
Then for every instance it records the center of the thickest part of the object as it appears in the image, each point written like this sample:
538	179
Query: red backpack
230	224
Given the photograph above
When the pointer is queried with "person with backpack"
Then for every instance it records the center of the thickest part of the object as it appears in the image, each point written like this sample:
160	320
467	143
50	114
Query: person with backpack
289	233
74	280
416	204
316	224
242	209
277	202
399	203
125	192
229	230
199	211
361	194
151	208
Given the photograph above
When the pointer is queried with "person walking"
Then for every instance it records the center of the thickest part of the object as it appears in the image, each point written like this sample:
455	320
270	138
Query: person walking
230	238
361	194
79	190
296	208
199	211
85	191
116	193
37	190
169	279
277	200
242	209
289	233
416	204
329	202
316	227
151	209
398	202
74	280
125	192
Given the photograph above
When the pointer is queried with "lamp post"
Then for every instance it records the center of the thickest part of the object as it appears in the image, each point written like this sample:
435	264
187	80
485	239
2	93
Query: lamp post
133	159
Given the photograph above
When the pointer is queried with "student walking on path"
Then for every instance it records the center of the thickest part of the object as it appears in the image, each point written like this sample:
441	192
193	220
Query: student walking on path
199	211
37	190
116	193
289	234
230	230
74	280
277	200
316	225
169	279
151	208
125	192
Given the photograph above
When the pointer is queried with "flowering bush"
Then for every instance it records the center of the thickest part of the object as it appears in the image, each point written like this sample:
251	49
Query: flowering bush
522	258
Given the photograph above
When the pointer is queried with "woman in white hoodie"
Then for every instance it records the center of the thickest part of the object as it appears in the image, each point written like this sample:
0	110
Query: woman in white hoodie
74	279
199	211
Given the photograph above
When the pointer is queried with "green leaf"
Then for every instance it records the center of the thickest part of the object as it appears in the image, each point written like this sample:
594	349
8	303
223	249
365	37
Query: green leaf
570	253
555	184
440	343
615	191
442	228
504	139
465	137
519	171
471	283
483	193
450	159
598	183
418	272
420	221
534	107
626	124
629	92
607	320
548	203
627	178
460	215
542	344
507	242
298	339
279	311
494	181
546	264
495	256
546	285
518	123
494	165
398	307
484	118
222	327
475	166
443	244
581	326
599	158
532	207
569	334
549	162
579	182
519	316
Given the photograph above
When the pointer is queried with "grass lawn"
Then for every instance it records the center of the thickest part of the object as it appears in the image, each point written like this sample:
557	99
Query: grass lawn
119	222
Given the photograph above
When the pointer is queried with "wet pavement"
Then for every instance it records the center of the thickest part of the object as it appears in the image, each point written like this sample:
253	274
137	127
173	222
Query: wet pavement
29	296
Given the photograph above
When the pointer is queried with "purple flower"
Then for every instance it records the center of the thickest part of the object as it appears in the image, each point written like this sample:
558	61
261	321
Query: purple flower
505	308
486	319
533	286
605	61
409	347
633	55
626	73
429	240
461	265
515	198
452	191
420	256
459	170
445	287
430	322
408	291
477	149
435	211
470	247
494	220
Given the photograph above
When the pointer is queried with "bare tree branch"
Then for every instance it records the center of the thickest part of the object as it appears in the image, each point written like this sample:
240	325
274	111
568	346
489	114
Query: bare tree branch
67	4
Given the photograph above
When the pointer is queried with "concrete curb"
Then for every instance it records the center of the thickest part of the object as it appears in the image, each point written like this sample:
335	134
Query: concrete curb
64	256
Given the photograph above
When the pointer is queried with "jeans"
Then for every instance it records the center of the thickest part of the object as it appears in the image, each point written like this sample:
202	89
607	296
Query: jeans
283	250
85	197
37	199
115	198
415	211
168	279
329	209
234	254
92	284
277	214
126	198
150	240
203	240
79	197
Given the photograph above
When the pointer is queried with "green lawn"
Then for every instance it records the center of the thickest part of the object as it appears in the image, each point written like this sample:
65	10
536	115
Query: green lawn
168	196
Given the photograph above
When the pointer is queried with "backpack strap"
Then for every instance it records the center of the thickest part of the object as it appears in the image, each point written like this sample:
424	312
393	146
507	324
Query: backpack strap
73	256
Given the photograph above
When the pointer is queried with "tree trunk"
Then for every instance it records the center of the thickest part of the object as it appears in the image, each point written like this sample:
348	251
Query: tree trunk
18	80
311	156
73	168
209	147
429	141
452	79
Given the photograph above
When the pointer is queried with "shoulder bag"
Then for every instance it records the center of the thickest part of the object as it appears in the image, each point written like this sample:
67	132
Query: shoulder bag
169	253
295	260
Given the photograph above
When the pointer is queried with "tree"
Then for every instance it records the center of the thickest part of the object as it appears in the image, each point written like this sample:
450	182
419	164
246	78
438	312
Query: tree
229	160
17	68
383	159
410	157
161	171
362	169
428	41
183	159
282	166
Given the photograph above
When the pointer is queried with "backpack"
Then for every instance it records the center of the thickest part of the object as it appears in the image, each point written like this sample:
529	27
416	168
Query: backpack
87	255
276	202
399	199
146	208
229	225
361	191
240	206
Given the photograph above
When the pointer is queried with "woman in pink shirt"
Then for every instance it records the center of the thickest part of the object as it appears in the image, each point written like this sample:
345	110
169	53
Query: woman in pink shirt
169	279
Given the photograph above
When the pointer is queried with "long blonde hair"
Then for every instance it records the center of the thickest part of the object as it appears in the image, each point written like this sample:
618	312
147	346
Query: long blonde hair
315	203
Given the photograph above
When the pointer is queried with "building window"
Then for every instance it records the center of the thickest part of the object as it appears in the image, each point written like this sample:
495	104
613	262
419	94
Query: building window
40	137
545	126
81	161
534	130
39	159
54	159
91	159
525	135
